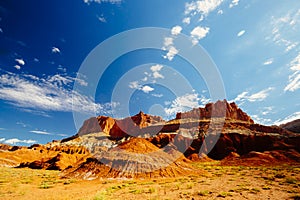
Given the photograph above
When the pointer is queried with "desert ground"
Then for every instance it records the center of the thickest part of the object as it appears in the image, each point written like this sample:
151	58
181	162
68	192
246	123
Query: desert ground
214	182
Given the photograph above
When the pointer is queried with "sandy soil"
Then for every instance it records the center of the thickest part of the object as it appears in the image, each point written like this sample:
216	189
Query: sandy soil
216	182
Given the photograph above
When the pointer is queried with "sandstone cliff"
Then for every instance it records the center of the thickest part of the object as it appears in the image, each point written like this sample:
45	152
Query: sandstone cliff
218	109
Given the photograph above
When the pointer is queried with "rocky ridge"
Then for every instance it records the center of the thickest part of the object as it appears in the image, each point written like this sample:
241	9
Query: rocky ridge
116	148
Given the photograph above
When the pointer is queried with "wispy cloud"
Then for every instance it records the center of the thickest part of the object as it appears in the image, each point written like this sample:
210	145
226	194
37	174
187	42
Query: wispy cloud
41	132
294	79
53	93
101	19
234	3
102	1
269	61
267	110
241	33
62	135
22	124
283	30
157	95
259	96
261	120
287	119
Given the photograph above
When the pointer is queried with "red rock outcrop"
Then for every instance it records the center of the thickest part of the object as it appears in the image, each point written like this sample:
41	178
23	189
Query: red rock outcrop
127	126
37	156
218	109
293	126
89	126
135	158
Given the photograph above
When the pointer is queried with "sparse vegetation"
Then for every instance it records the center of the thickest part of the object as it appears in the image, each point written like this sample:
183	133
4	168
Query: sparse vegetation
14	184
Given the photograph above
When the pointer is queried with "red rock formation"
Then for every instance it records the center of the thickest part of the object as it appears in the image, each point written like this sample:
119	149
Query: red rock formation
135	158
127	126
293	126
89	126
218	109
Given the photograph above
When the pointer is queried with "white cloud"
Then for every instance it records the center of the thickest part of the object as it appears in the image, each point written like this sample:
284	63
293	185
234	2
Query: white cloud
289	118
267	110
242	32
157	75
62	135
294	79
176	30
185	103
147	89
203	7
186	20
22	124
234	3
40	132
59	80
157	95
20	61
198	33
55	50
269	61
171	53
290	46
134	85
102	19
168	41
102	1
261	120
18	67
46	94
259	96
220	12
15	141
168	46
155	70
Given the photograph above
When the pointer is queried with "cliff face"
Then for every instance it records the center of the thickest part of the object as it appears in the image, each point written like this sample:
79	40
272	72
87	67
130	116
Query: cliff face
293	126
89	126
218	109
127	126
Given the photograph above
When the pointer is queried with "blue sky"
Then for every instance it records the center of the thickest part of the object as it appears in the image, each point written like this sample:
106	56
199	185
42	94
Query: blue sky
254	45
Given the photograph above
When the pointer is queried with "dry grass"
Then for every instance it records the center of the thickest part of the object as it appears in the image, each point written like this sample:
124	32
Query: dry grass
219	182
